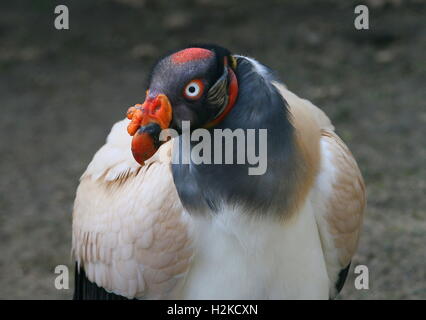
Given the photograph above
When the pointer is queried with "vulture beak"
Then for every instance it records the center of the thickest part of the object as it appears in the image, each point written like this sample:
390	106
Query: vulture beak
147	121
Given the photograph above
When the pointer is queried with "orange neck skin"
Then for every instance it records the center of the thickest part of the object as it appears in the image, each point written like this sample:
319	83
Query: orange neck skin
233	94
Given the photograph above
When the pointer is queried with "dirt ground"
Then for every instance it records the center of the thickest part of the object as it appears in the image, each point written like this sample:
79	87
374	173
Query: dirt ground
61	91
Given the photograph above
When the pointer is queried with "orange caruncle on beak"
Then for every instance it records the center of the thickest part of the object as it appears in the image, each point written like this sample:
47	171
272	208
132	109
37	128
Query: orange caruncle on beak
144	118
156	110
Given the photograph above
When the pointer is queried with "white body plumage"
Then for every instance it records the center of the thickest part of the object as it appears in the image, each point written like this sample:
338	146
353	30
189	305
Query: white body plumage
133	237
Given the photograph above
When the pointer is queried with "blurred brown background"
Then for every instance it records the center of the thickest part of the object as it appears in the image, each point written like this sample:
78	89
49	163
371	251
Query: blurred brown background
61	91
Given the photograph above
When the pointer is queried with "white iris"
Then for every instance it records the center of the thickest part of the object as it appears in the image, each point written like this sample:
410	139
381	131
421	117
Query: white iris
192	89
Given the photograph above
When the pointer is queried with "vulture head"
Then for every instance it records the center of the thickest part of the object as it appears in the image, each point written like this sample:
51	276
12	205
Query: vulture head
196	84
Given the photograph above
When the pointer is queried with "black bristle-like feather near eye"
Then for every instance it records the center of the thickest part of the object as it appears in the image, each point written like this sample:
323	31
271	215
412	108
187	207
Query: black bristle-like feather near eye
218	93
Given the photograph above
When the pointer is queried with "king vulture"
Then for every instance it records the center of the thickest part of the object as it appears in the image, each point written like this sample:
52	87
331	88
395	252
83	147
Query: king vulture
147	227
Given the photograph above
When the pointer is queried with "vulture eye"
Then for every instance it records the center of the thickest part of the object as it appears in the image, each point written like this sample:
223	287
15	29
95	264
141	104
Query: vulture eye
194	89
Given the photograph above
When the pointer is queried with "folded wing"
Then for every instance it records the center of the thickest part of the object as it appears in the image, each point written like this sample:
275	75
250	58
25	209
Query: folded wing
340	197
131	235
338	194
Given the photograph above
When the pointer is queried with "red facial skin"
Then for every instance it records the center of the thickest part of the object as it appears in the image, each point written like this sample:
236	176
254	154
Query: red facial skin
191	54
157	110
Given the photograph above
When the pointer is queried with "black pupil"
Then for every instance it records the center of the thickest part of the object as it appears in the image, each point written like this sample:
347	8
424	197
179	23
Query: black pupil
191	89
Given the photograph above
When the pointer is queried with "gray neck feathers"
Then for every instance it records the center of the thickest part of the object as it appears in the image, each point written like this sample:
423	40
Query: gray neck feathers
209	187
